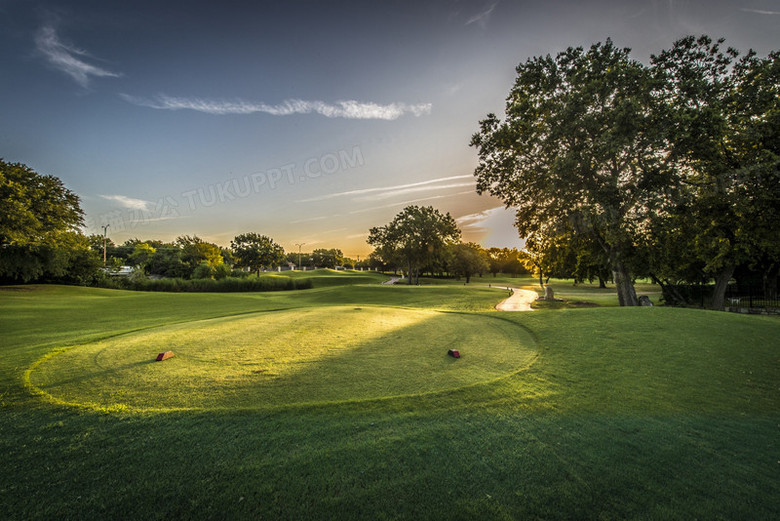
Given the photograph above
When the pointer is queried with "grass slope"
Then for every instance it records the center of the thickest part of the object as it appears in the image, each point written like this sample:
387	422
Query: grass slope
626	414
323	278
273	359
573	294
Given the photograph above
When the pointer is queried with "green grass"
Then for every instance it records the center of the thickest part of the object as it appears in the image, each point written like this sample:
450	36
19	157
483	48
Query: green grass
273	359
645	413
571	294
323	278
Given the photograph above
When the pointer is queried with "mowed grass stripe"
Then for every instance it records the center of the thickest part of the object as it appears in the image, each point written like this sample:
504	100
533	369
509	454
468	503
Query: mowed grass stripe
273	359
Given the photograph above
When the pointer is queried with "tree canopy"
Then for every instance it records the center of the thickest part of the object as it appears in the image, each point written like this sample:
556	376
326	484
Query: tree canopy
723	128
416	237
39	235
467	259
600	153
255	251
35	208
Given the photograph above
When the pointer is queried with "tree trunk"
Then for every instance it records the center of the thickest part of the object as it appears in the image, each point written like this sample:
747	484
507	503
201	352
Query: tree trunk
602	283
721	283
409	273
669	291
625	287
468	277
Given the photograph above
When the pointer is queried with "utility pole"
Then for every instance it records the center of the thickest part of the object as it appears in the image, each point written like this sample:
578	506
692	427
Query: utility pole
299	253
105	227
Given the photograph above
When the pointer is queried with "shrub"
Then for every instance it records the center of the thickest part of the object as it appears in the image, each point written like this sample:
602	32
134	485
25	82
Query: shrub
204	270
228	284
222	271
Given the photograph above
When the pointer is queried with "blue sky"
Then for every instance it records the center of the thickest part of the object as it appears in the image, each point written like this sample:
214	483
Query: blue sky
307	121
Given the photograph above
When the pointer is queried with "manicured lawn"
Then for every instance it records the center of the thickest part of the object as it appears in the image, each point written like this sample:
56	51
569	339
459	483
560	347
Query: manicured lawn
277	358
574	295
644	413
324	277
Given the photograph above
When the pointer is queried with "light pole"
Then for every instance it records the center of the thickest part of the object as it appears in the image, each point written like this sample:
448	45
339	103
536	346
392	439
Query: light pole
105	227
299	253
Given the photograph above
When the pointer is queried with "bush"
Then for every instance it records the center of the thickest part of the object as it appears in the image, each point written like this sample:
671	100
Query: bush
204	270
228	284
222	271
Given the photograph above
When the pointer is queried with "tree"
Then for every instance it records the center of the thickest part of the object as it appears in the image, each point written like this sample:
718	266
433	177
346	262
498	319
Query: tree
506	260
256	252
195	251
39	236
142	255
204	270
468	259
70	260
327	258
35	208
723	118
416	237
167	262
549	254
579	144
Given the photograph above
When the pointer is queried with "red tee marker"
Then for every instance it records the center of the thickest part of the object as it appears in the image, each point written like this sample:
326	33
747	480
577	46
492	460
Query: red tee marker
164	356
453	353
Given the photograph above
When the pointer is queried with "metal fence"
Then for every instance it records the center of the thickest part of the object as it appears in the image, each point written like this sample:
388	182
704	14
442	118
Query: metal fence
751	297
740	298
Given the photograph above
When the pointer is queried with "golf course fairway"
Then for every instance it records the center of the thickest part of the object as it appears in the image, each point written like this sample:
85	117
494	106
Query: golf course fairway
277	358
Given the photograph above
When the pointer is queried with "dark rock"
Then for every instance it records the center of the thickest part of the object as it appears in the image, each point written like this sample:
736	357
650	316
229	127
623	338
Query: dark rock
644	300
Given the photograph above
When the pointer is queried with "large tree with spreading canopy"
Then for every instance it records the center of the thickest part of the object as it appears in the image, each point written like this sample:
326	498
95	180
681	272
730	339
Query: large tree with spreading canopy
578	148
415	238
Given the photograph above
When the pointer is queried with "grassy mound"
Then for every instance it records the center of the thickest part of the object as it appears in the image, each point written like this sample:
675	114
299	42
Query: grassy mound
657	413
279	358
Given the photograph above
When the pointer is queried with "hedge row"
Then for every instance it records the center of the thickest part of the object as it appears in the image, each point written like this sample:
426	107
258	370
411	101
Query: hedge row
229	284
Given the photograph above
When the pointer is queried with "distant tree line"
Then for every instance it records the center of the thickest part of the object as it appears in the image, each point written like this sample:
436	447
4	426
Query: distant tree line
41	241
422	240
621	170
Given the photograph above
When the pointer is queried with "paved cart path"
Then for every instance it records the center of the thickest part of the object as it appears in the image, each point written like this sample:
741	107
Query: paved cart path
520	300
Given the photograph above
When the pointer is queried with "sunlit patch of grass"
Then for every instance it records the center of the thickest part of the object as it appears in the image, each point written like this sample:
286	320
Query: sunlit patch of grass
272	359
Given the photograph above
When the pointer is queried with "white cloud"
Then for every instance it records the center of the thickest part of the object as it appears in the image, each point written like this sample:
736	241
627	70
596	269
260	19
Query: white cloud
402	191
311	219
388	189
483	17
404	203
349	109
494	227
758	11
129	202
68	59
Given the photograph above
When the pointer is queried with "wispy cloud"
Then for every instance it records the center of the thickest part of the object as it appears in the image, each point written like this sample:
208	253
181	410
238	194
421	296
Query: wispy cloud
759	11
483	17
68	59
389	189
392	193
310	219
492	227
129	202
413	201
349	109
